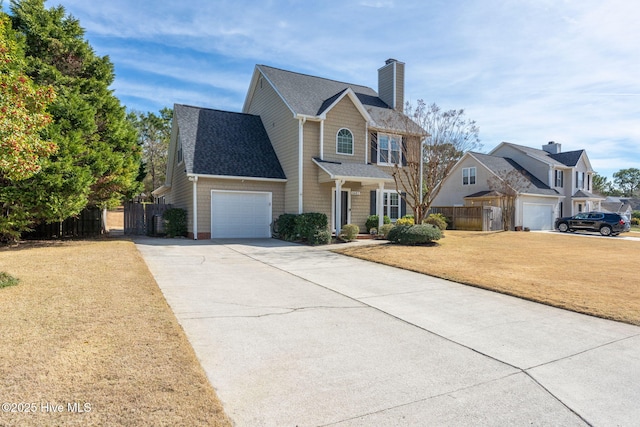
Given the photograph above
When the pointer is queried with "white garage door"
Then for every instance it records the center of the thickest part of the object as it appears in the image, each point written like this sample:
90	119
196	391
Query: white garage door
537	216
240	214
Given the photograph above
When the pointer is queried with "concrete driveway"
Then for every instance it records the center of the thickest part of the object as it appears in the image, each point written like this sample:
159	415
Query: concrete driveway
291	335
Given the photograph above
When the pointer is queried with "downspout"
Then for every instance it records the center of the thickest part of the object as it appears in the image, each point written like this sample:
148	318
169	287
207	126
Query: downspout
301	123
366	143
321	139
194	179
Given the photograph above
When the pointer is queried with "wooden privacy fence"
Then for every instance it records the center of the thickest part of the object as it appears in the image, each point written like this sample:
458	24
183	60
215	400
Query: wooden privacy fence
472	218
144	218
87	223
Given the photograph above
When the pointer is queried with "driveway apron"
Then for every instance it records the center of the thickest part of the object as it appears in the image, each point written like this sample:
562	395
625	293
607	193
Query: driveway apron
292	335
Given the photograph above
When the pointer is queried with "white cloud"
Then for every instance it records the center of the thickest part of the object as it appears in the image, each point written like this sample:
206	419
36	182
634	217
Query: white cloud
526	71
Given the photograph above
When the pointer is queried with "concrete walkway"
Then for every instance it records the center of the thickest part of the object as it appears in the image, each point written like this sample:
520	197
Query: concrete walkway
292	335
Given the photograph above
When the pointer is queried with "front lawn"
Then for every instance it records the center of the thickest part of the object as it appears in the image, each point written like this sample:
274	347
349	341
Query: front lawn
88	339
597	276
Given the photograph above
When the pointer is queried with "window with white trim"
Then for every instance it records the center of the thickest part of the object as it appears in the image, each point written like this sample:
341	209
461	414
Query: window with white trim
468	176
344	142
580	180
389	149
391	205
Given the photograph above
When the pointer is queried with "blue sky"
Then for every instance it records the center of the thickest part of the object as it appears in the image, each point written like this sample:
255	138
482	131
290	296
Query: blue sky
528	71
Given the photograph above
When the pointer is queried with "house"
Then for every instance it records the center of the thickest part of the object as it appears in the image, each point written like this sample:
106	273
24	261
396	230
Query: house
617	205
301	144
553	183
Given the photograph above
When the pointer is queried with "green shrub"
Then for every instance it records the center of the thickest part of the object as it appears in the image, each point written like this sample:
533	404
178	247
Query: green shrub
286	227
307	224
394	234
414	234
349	232
438	220
320	237
176	221
7	280
406	220
311	227
372	222
384	230
635	221
635	214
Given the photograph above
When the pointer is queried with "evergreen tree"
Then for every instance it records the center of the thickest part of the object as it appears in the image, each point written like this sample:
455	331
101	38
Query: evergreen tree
22	117
98	159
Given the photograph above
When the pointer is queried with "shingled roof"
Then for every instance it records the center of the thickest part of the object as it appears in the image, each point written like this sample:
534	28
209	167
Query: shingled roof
353	171
311	96
307	94
499	165
570	158
223	143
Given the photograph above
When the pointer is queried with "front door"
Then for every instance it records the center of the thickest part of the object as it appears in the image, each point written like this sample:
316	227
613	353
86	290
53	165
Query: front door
345	208
344	205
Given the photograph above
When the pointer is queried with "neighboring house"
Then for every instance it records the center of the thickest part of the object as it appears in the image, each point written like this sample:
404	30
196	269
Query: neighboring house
617	205
556	184
301	144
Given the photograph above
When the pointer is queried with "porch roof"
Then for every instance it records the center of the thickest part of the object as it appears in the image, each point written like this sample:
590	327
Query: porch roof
581	194
359	172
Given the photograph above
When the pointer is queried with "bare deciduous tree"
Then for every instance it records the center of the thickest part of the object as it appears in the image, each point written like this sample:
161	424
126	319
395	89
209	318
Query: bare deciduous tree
440	138
508	183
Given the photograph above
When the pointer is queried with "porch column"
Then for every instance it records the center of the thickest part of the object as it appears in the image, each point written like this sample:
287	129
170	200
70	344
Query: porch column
338	212
380	206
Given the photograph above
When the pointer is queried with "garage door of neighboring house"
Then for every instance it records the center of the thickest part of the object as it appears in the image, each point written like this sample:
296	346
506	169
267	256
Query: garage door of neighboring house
240	214
537	216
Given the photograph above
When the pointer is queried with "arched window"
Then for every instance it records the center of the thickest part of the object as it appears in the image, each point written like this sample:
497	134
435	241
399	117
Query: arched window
344	142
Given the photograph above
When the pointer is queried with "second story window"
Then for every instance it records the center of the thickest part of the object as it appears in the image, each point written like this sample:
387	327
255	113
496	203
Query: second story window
559	178
389	147
344	142
468	176
580	180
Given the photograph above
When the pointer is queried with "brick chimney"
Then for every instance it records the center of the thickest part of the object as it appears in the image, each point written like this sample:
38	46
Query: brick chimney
552	147
391	84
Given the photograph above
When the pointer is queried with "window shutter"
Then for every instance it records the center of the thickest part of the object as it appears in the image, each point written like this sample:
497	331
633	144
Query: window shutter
403	205
403	150
373	137
372	203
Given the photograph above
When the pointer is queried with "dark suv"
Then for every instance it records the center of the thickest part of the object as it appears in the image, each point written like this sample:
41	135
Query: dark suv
608	224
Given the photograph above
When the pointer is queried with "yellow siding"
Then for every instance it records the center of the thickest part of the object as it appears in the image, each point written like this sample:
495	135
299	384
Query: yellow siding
282	129
318	197
345	115
181	193
314	199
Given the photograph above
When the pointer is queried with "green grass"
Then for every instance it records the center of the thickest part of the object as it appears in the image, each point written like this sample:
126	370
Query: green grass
7	280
